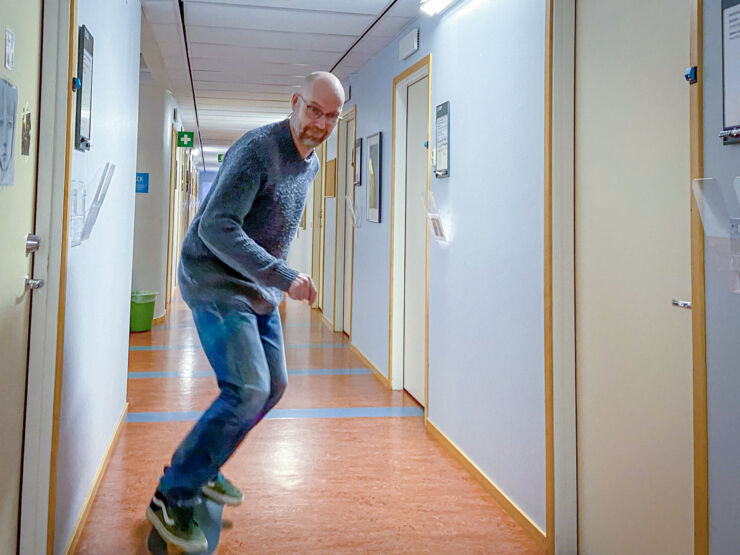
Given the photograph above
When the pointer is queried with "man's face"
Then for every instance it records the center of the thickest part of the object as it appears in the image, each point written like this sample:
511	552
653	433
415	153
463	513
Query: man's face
315	114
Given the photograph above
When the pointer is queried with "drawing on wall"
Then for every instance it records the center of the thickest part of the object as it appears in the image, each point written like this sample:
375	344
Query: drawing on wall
374	185
8	106
82	220
26	132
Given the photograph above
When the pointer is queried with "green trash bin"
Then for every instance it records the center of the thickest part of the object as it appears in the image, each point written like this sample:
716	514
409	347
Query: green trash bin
142	310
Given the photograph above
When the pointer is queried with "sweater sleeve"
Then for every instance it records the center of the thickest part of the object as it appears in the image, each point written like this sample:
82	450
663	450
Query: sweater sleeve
221	223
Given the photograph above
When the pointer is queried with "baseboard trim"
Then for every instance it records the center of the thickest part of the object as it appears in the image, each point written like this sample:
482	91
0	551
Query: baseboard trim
159	321
87	505
507	504
381	378
326	321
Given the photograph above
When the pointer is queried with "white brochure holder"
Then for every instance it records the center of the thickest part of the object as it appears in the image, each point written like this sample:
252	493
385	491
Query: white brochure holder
719	206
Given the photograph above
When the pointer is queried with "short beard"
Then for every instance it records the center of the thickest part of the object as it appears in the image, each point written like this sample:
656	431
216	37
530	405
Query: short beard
310	142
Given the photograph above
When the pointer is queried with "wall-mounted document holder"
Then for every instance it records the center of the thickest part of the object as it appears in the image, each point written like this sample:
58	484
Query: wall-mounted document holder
441	153
436	223
719	206
730	136
81	219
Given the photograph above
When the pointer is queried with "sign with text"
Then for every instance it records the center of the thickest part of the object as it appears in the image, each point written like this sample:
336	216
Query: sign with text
142	182
185	138
730	61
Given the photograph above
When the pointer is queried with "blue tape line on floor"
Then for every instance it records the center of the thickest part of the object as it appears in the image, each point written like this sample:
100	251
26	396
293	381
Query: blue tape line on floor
209	373
197	346
279	414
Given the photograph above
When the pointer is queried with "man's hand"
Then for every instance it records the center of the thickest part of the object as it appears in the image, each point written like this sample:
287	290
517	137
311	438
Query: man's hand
302	289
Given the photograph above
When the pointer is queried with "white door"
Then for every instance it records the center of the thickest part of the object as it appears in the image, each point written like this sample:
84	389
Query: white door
17	209
634	367
317	225
414	329
349	230
344	240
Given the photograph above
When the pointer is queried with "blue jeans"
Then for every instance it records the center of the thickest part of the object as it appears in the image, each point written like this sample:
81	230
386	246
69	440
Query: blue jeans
246	351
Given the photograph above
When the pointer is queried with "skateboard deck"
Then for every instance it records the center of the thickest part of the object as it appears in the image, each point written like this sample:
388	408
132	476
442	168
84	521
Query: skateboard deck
209	516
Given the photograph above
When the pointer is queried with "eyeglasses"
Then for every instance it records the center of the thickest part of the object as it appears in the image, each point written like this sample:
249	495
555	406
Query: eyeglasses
314	112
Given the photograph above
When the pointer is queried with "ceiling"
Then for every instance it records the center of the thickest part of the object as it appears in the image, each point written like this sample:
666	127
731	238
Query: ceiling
247	57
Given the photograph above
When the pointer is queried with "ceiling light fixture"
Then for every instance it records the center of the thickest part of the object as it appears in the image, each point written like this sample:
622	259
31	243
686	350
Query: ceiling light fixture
433	7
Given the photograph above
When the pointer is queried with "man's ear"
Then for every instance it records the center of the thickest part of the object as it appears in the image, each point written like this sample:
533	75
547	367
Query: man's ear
293	102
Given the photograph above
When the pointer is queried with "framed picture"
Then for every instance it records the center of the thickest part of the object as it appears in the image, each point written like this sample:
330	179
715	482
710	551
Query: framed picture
358	162
374	177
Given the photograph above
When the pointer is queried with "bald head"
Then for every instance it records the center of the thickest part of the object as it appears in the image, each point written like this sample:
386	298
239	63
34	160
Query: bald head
325	84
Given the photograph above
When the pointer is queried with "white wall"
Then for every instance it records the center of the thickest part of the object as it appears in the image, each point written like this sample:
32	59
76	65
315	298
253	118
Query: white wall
486	343
156	108
99	270
723	315
205	180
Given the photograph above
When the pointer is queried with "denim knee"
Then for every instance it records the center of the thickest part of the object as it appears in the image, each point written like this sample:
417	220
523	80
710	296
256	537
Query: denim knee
246	401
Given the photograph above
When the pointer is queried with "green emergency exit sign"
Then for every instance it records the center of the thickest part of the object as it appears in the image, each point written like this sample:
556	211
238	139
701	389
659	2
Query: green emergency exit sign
185	138
220	158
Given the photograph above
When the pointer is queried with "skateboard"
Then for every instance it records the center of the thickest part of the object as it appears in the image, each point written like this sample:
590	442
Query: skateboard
210	518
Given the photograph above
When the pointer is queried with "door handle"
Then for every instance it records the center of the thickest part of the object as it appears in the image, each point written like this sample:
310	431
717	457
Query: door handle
33	284
33	242
681	304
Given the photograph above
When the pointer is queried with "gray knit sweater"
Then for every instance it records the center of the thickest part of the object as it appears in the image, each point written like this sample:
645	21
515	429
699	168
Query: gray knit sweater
235	248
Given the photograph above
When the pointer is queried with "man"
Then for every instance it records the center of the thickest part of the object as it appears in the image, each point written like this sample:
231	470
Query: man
232	275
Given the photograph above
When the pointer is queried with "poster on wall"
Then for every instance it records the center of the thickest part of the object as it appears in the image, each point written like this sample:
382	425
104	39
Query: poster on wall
442	168
374	177
84	94
8	108
731	63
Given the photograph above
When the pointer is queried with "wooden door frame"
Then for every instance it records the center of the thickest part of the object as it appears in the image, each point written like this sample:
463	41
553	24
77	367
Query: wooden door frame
170	221
351	182
421	69
350	115
698	293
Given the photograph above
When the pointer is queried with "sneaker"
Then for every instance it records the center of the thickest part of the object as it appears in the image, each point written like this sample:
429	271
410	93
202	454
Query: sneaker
176	525
222	491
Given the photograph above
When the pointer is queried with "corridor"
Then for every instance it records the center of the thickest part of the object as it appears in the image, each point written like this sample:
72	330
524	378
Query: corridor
342	465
